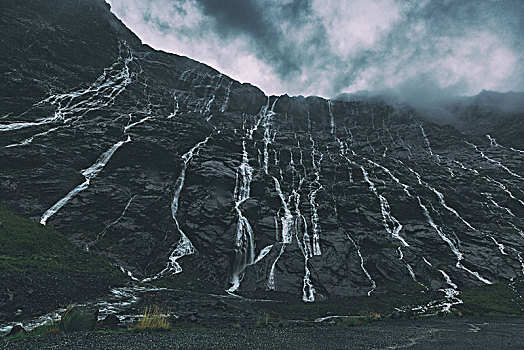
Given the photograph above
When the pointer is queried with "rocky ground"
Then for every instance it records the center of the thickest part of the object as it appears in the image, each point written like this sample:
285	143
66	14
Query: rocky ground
432	333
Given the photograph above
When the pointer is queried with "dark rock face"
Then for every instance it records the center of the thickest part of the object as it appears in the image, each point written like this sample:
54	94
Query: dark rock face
165	165
110	322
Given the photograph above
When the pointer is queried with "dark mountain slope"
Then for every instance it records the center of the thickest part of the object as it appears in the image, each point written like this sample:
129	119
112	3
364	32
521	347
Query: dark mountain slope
41	271
162	163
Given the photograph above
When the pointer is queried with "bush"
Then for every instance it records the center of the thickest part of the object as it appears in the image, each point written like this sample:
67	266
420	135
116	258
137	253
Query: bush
74	320
153	318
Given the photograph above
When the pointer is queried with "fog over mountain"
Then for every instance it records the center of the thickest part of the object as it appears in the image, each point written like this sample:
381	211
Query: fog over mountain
324	47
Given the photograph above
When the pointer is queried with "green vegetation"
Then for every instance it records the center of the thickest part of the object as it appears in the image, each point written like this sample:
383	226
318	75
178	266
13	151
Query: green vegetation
491	300
153	318
27	245
48	328
74	320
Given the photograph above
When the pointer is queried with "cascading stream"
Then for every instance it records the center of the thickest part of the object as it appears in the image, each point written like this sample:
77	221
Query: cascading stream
387	218
459	256
184	246
74	105
315	187
226	100
494	161
101	234
408	266
357	247
268	138
245	241
89	174
426	140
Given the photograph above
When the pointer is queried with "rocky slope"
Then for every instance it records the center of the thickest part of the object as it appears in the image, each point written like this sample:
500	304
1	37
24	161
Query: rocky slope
41	271
167	166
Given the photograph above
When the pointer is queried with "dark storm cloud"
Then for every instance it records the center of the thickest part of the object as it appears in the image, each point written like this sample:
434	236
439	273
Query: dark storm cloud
238	16
325	47
248	19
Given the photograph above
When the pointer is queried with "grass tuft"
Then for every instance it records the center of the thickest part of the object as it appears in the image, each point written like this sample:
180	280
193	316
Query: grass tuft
262	322
153	318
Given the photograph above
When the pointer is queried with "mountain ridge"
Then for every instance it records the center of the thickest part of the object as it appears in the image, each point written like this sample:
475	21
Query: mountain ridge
165	165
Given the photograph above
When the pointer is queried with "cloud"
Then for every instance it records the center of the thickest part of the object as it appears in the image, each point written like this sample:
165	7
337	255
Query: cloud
324	47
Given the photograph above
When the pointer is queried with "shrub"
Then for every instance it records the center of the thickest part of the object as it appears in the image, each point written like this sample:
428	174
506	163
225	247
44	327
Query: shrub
74	320
153	318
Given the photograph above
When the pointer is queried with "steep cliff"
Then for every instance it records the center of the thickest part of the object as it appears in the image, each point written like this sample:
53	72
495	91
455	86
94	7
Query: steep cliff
167	166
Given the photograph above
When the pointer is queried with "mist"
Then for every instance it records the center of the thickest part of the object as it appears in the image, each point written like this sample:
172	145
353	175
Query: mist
421	51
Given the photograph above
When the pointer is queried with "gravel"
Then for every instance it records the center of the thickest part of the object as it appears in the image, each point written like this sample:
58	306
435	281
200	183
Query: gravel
435	333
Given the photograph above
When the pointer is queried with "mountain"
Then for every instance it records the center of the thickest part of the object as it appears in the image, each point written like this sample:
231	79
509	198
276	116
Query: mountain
166	166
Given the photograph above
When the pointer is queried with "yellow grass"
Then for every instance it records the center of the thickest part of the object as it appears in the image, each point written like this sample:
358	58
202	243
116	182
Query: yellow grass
152	318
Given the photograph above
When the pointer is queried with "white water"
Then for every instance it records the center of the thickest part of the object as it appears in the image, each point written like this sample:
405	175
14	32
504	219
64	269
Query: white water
451	294
373	284
465	168
184	246
426	261
268	139
408	266
130	125
493	142
265	251
271	284
494	161
244	241
387	171
287	219
31	138
387	218
74	105
425	138
459	256
89	174
308	290
516	150
489	196
315	187
505	189
331	117
118	300
226	100
441	199
176	107
113	223
206	108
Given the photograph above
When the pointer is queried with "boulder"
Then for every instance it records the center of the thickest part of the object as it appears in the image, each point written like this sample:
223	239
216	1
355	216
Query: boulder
17	329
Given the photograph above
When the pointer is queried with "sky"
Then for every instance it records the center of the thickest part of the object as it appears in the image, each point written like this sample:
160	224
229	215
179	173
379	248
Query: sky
327	47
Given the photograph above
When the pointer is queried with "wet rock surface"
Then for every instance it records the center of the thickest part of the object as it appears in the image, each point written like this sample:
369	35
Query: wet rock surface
165	165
